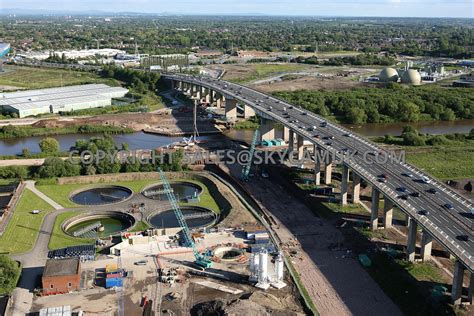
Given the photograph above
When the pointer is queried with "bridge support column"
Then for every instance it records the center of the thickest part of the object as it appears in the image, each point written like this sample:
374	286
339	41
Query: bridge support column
180	85
212	96
291	142
230	109
300	146
456	291
328	171
267	130
374	211
355	187
344	184
387	213
248	112
471	289
189	88
426	245
317	166
286	134
411	242
173	84
220	101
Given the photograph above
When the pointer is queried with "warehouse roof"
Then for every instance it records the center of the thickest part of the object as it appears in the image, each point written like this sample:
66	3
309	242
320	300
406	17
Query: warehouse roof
24	100
59	267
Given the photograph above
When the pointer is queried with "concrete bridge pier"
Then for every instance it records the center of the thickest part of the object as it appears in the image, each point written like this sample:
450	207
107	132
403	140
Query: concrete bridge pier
248	112
220	101
286	134
411	242
180	85
458	275
387	213
300	146
426	245
291	141
355	194
317	166
328	171
267	130
374	211
344	184
230	109
173	84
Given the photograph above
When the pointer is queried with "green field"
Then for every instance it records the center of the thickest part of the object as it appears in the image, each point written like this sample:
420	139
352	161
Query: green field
260	71
60	239
445	164
61	193
36	78
23	228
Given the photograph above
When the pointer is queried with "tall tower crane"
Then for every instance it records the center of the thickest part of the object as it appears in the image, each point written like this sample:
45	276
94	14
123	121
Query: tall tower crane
201	260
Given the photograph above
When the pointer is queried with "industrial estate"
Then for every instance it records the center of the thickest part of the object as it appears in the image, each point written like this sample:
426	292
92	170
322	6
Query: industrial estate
214	175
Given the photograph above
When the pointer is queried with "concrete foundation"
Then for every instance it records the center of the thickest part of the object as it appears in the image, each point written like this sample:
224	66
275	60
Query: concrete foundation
374	211
286	134
411	242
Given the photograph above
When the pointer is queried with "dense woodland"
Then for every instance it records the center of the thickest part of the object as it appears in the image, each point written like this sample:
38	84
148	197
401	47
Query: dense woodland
167	34
390	104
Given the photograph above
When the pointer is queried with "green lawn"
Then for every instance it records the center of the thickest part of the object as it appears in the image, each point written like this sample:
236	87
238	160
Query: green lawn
260	71
36	78
445	164
23	228
61	193
60	239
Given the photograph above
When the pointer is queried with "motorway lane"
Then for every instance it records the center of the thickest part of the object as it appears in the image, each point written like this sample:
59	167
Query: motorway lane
454	225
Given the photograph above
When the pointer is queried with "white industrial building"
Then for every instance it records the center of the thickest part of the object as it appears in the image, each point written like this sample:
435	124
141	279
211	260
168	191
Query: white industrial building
55	100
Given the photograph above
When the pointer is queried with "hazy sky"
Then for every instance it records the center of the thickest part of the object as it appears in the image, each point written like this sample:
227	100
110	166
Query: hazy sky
424	8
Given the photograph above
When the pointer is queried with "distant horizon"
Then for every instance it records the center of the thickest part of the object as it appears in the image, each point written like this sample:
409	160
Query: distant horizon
100	13
463	9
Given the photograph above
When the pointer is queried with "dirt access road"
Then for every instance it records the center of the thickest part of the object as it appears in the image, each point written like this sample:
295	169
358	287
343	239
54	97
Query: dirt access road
335	281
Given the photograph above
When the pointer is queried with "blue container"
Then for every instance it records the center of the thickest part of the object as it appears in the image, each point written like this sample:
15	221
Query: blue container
113	282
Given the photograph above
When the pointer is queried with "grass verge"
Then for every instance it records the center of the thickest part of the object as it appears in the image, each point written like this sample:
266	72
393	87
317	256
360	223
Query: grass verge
23	228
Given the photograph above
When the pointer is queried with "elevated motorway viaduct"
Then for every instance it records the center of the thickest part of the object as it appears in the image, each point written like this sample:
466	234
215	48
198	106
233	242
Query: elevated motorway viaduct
451	226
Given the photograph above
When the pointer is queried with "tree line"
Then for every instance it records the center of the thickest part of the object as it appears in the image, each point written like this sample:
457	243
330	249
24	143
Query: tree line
394	103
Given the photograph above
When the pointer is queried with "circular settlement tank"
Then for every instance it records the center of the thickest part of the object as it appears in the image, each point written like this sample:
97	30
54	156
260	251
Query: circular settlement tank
195	217
388	75
93	225
181	190
411	76
101	195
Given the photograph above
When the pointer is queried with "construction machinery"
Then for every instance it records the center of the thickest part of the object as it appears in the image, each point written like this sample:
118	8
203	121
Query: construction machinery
202	261
246	168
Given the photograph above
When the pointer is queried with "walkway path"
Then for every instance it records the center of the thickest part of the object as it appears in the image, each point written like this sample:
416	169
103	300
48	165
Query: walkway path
30	185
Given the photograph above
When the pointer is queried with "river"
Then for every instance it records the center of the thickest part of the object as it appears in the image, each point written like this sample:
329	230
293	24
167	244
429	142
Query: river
140	140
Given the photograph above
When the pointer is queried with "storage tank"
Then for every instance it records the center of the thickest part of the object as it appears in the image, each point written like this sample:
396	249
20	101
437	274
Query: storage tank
411	76
279	267
263	267
388	75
